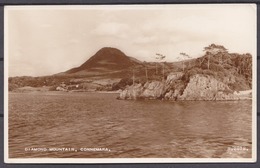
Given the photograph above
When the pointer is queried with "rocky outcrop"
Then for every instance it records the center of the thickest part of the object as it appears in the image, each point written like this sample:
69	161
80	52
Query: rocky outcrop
173	76
199	87
206	88
59	88
131	92
151	90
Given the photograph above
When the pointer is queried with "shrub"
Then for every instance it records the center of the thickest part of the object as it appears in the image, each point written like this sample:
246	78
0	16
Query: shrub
122	84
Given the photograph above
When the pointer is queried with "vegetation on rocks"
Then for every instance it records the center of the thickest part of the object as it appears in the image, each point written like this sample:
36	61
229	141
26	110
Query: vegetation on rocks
215	76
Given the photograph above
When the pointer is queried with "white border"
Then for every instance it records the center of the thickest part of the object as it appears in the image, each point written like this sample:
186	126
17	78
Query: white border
6	144
122	160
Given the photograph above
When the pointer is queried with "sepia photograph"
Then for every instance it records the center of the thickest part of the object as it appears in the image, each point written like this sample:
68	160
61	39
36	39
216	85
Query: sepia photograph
130	83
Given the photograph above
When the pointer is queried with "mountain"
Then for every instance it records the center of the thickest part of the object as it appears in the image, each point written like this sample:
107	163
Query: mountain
106	60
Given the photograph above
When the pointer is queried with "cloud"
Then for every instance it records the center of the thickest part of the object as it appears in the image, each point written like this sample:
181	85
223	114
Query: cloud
111	29
144	39
137	31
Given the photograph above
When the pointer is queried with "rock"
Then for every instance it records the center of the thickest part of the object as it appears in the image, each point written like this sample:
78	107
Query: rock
131	92
226	96
61	89
175	94
150	90
169	95
153	90
202	87
123	95
173	76
199	87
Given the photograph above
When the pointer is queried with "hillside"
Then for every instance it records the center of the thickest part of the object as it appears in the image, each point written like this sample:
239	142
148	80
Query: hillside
105	60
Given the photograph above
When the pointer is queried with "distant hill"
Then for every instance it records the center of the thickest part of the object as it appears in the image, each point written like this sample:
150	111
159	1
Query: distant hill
106	60
110	65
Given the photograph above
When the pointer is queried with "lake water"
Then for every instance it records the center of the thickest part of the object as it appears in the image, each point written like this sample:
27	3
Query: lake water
40	121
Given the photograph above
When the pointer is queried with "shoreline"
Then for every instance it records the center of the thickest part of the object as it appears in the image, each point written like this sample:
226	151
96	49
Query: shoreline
241	95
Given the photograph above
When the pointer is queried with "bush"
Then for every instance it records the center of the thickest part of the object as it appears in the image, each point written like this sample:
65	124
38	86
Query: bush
122	84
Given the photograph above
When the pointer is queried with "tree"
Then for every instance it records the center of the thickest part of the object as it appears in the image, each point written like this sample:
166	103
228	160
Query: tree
146	74
182	63
200	60
214	49
146	70
160	57
182	58
244	64
185	56
133	77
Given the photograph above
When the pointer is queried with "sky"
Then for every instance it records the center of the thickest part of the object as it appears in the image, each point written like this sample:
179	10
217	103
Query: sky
45	40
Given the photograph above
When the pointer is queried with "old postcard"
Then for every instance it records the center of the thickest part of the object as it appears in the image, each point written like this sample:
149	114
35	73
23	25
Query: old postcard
130	83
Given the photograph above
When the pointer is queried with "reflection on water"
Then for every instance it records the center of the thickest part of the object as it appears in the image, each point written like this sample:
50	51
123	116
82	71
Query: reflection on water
190	129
